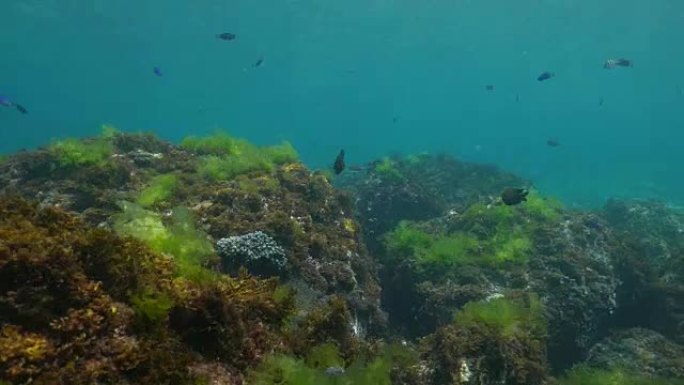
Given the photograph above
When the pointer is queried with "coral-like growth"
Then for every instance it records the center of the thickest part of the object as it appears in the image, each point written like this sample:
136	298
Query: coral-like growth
160	188
256	251
583	375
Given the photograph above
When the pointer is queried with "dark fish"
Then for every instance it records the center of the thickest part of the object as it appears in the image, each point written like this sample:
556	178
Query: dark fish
601	101
157	71
259	62
489	87
394	120
512	196
21	108
545	76
552	143
226	36
612	63
339	163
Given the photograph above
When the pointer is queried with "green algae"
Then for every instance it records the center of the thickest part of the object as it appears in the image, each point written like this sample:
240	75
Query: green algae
190	247
151	307
288	370
75	153
159	189
508	317
388	168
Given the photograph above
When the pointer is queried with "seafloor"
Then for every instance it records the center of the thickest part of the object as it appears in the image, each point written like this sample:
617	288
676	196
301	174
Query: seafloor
125	259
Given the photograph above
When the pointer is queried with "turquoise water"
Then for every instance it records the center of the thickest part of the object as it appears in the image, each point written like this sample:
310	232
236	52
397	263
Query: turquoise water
373	77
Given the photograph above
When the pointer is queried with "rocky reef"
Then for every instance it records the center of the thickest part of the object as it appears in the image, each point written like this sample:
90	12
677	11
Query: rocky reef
125	259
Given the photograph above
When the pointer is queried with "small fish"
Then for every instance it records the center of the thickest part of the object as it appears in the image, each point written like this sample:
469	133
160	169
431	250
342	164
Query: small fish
512	196
517	98
613	63
601	101
339	163
227	36
334	371
394	120
157	71
545	76
5	101
489	87
259	62
552	143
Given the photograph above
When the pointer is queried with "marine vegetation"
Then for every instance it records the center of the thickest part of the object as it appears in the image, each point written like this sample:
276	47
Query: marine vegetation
80	305
225	157
159	189
323	366
92	152
584	375
499	341
190	248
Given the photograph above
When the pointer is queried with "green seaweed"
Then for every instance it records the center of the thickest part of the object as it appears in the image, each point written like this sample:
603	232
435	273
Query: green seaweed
288	370
74	152
225	157
542	208
152	307
159	189
282	153
219	143
388	168
190	247
584	375
505	244
507	316
3	158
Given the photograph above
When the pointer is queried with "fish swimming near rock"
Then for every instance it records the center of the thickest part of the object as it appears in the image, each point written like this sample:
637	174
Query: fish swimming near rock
512	196
545	76
338	166
614	63
227	36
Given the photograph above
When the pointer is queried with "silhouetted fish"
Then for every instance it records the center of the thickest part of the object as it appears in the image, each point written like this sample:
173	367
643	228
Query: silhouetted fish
6	102
601	101
545	76
157	71
512	196
339	163
226	36
612	63
489	87
259	62
552	143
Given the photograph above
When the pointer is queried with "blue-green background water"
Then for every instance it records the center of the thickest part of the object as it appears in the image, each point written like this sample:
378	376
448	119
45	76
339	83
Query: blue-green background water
371	76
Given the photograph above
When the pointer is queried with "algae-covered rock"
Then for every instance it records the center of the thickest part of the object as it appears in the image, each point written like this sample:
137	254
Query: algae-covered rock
639	351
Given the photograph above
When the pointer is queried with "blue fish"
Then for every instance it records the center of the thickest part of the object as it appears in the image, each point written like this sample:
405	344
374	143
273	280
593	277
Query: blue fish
157	71
545	76
6	102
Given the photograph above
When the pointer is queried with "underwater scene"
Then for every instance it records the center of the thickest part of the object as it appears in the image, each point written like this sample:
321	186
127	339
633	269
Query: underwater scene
318	192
